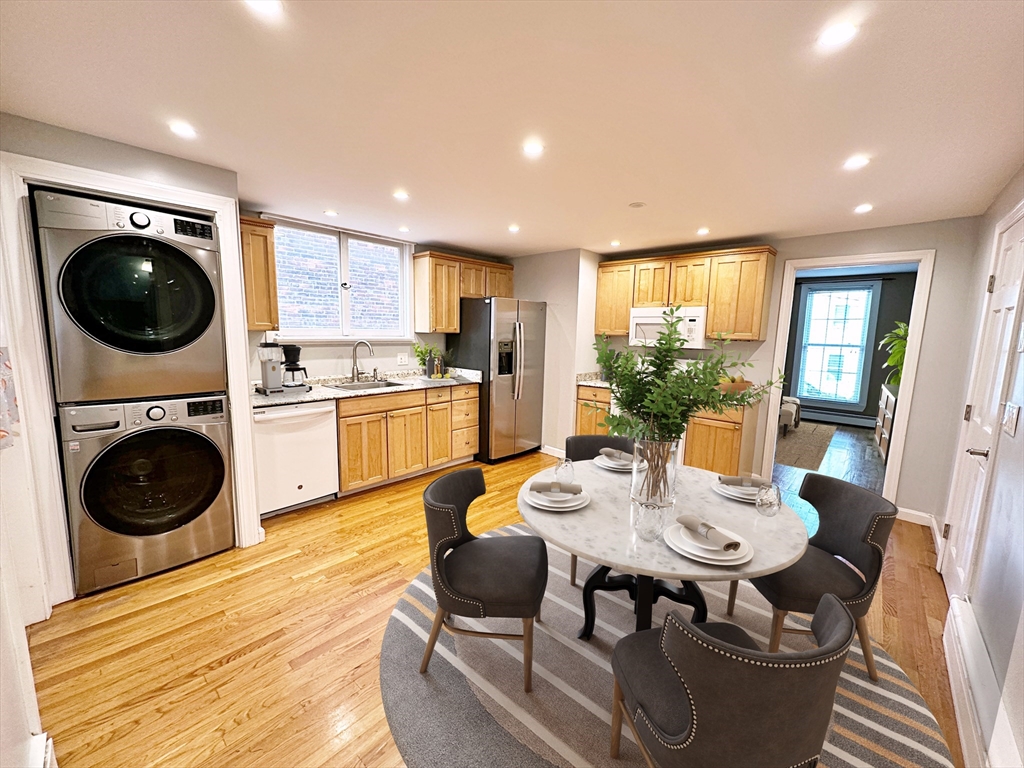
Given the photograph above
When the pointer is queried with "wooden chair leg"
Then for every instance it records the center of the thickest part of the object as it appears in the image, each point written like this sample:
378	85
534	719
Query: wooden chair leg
572	570
733	586
537	617
636	735
617	697
778	619
435	630
527	655
865	646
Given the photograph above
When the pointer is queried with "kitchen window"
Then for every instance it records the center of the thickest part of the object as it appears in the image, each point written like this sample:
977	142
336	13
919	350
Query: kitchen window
835	339
333	284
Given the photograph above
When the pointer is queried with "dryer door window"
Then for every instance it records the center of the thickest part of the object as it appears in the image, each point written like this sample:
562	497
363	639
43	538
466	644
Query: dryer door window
137	294
153	481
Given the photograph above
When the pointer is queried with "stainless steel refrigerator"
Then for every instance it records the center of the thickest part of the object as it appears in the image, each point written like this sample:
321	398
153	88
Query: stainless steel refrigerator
504	338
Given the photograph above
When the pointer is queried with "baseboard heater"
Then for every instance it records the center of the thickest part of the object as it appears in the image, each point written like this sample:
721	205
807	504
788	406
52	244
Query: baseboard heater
831	417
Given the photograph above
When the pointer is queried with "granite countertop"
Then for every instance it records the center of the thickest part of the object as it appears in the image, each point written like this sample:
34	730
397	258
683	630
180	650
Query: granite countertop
321	390
592	379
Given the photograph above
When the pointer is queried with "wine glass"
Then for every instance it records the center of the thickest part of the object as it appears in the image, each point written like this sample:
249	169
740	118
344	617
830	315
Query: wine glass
769	500
564	474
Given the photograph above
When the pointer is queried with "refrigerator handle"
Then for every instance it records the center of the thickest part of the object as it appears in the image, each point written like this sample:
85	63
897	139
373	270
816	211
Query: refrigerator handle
520	356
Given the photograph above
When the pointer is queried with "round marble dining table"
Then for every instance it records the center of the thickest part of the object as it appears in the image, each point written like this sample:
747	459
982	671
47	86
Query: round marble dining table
602	533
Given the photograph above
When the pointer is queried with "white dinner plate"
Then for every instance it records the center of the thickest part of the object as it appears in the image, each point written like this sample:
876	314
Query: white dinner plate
725	490
560	496
605	463
679	539
675	541
577	502
564	499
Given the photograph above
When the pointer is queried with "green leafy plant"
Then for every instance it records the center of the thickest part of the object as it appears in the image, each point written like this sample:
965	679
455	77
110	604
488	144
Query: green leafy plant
895	343
656	398
423	352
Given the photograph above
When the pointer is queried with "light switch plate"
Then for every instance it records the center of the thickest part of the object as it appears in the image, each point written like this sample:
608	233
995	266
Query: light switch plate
403	358
1011	414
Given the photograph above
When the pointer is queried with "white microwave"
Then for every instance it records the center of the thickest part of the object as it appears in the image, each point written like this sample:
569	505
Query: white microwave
645	323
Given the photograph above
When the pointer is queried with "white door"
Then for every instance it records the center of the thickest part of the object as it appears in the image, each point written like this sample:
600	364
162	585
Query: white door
997	336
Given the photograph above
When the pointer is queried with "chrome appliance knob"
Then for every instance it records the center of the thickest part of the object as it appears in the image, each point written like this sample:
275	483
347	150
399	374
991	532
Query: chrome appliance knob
156	413
139	220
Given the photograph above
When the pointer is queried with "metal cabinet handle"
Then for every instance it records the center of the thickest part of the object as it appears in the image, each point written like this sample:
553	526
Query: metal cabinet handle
978	452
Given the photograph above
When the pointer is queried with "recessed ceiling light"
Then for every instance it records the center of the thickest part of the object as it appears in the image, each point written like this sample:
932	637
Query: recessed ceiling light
513	228
835	36
863	208
637	204
856	162
533	148
183	129
403	228
703	231
616	243
272	10
401	194
330	213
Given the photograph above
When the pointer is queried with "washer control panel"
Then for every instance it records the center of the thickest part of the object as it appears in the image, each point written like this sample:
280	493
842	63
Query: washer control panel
81	422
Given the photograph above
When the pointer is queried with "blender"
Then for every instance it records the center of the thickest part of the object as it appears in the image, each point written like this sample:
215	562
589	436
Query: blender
271	356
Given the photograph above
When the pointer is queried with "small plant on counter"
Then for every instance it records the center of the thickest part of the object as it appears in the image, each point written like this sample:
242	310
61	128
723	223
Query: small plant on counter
423	353
447	361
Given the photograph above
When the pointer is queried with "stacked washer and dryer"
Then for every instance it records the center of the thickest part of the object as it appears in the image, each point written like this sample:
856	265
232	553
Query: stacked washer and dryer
137	348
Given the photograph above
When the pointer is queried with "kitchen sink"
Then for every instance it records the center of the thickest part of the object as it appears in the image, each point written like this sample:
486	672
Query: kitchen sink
354	387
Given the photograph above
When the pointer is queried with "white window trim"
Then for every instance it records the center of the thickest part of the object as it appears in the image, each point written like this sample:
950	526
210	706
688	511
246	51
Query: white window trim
346	334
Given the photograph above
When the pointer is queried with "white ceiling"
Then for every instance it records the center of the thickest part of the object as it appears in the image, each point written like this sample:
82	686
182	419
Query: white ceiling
715	114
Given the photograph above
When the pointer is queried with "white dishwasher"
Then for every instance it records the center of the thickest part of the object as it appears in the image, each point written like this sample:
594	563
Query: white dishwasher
296	454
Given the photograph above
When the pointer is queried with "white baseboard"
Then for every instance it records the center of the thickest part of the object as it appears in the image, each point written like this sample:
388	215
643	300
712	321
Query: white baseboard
556	452
977	698
41	754
929	521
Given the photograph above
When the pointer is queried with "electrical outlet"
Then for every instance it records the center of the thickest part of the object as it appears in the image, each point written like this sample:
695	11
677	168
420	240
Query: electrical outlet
403	358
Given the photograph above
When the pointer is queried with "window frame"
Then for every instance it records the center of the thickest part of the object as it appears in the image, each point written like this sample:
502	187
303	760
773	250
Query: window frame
875	287
346	332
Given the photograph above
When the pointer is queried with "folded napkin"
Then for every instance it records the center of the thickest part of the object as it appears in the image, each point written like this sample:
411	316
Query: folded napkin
709	532
555	487
616	455
744	482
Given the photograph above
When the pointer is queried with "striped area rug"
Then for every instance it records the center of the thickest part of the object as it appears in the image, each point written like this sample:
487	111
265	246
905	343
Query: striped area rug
470	708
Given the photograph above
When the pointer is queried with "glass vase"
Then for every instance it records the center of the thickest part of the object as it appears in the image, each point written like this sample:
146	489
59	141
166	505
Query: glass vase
652	492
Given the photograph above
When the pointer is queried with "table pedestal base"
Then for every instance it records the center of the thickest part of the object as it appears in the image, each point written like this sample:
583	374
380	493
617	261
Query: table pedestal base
644	591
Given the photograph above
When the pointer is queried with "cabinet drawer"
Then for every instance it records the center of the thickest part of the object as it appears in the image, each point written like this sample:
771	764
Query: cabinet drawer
359	406
465	442
439	395
465	413
465	391
594	394
734	415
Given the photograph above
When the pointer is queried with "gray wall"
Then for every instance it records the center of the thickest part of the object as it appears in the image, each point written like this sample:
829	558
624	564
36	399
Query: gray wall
48	142
997	592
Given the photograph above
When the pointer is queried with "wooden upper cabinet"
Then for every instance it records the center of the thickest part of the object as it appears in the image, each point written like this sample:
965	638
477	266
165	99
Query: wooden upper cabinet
689	284
473	281
651	284
260	274
436	285
614	299
738	294
499	281
407	441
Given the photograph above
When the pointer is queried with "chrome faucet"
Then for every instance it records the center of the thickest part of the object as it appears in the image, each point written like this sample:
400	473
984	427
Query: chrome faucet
355	357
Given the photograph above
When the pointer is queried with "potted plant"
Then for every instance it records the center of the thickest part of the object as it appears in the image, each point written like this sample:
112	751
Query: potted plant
425	354
655	399
895	343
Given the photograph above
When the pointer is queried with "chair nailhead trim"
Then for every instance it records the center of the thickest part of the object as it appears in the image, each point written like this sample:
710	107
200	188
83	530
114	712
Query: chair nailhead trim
881	551
436	577
755	662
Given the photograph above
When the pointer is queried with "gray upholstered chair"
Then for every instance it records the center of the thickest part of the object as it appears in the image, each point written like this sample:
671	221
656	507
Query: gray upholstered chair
853	524
503	576
585	448
706	695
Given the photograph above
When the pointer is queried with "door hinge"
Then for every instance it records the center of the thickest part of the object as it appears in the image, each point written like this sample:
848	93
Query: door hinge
945	531
967	412
991	284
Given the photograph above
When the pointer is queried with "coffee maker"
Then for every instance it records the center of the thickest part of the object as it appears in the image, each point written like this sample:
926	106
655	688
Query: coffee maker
271	357
294	374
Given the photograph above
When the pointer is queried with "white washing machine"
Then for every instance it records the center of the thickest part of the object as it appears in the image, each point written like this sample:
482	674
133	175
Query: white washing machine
148	486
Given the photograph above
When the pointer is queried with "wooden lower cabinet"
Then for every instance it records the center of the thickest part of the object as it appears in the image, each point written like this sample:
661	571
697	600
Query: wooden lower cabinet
407	441
439	434
592	404
363	450
465	442
722	443
465	413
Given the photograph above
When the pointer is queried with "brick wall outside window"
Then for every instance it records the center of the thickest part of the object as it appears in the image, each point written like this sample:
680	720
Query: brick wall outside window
374	270
308	292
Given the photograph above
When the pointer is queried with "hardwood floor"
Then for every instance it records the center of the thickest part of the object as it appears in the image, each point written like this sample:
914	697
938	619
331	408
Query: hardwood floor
269	656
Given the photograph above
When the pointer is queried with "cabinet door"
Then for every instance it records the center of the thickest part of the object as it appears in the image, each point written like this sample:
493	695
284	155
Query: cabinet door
713	445
260	274
444	296
736	297
614	299
439	434
362	450
650	284
407	441
473	281
690	283
499	282
589	417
